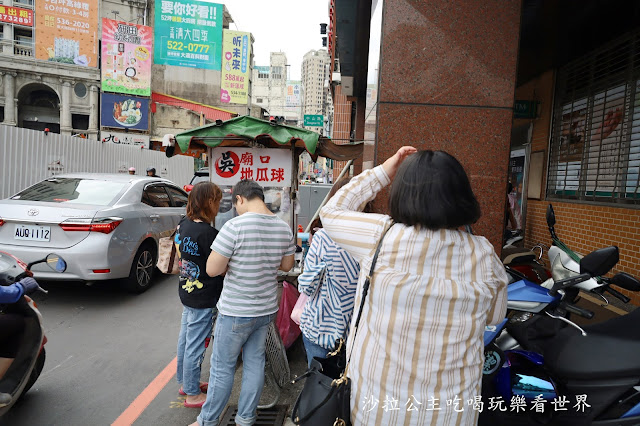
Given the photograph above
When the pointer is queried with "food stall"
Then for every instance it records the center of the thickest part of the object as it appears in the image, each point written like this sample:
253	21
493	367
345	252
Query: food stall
249	148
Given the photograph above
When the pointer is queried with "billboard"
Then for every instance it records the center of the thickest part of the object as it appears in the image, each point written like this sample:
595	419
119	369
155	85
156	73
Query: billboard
124	111
188	33
234	82
67	32
293	97
16	15
126	57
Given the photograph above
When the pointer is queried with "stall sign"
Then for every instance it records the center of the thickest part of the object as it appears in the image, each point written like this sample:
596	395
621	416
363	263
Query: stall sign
188	33
125	111
124	138
16	15
236	50
267	166
126	57
67	31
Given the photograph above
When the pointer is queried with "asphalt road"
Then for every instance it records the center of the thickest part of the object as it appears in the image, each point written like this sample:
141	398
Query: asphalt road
106	348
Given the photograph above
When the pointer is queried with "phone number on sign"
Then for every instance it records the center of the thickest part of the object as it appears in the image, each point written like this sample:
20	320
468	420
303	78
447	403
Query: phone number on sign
71	23
191	47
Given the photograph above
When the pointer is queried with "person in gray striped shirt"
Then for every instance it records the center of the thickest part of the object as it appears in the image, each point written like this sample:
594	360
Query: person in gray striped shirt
250	248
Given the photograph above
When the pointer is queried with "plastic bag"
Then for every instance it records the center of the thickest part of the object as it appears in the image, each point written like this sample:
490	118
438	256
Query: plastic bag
298	308
289	330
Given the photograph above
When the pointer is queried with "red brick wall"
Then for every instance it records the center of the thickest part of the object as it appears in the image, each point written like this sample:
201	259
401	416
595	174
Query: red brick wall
341	125
582	227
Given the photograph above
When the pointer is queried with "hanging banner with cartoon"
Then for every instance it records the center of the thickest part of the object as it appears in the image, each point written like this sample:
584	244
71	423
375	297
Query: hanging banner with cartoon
126	57
267	166
236	56
67	32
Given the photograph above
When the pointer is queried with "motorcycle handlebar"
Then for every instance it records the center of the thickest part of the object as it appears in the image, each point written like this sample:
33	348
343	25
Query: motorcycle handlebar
617	294
578	310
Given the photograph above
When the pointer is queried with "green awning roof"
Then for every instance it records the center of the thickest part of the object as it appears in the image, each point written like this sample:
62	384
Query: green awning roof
249	128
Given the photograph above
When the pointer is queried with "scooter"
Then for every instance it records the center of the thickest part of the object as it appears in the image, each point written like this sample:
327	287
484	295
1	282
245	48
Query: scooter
29	360
568	263
587	376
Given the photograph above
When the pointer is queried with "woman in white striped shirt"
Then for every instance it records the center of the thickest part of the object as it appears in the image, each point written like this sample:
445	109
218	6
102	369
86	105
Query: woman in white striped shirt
416	358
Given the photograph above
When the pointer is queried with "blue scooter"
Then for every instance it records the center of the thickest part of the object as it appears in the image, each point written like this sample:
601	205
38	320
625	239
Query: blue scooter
587	376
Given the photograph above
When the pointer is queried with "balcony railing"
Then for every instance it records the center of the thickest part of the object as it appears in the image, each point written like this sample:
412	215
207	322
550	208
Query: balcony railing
12	47
22	50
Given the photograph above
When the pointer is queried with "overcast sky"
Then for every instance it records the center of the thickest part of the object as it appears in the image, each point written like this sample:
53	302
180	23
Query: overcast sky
289	26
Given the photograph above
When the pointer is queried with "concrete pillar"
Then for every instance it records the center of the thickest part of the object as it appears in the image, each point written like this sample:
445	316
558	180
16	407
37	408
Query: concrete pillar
94	99
65	109
447	82
10	99
361	107
7	32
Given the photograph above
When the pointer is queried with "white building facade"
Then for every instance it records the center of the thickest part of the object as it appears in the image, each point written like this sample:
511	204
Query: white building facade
315	76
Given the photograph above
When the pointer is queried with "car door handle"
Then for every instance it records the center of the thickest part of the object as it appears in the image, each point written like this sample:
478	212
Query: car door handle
154	217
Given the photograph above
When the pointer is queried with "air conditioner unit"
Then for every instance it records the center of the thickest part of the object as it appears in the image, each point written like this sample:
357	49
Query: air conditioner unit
347	86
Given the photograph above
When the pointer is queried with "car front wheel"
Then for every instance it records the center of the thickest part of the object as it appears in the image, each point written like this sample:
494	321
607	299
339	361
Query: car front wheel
142	270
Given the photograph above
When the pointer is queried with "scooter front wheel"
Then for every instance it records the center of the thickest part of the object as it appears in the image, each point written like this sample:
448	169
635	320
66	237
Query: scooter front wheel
35	373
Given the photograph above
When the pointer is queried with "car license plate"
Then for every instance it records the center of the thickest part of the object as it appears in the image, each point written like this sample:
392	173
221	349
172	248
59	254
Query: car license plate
32	233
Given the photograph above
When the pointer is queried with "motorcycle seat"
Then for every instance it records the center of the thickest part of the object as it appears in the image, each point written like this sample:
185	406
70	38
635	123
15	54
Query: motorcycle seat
610	350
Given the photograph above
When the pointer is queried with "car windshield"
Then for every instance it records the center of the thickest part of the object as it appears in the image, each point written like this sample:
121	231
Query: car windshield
199	178
72	191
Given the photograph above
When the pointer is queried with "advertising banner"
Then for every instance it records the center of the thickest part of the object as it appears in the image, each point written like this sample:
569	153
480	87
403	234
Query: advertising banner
126	57
267	166
188	33
16	16
124	138
67	31
293	94
125	111
234	83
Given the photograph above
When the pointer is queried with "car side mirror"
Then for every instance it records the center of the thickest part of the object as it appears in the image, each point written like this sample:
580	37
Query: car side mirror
599	262
56	263
551	216
626	281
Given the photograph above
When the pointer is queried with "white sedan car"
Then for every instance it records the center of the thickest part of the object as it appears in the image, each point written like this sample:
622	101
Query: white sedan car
106	226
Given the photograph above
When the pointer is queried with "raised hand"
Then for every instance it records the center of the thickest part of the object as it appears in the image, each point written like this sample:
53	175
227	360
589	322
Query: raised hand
391	165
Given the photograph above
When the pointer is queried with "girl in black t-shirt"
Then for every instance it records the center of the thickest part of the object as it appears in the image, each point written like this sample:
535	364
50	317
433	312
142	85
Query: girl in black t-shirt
198	292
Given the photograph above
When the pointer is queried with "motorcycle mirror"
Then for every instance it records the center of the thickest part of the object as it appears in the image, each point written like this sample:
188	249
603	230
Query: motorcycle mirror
626	281
56	263
551	216
599	262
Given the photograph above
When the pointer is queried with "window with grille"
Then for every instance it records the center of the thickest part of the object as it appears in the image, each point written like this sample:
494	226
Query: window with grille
595	137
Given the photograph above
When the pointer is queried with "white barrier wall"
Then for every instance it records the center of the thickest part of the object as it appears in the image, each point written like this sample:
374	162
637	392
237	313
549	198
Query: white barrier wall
28	156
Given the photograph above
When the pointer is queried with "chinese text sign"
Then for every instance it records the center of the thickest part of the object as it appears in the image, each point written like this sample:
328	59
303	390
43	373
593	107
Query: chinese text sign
236	49
126	57
67	31
16	15
188	33
267	166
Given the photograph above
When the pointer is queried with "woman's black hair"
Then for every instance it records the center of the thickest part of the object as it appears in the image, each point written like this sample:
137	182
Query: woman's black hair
248	189
432	190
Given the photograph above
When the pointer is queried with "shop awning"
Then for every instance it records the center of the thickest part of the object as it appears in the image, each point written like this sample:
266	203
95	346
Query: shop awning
241	130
